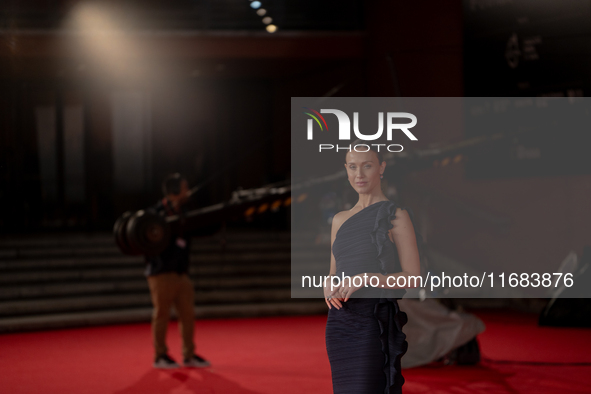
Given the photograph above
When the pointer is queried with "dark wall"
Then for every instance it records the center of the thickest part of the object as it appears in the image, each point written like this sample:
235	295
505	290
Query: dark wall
216	132
414	48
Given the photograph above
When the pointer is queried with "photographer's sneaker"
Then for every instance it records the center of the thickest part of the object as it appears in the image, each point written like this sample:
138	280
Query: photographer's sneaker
196	362
165	362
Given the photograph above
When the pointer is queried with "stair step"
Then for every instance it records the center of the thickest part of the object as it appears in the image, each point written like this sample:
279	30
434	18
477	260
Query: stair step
136	315
196	258
104	302
113	251
65	240
138	285
137	272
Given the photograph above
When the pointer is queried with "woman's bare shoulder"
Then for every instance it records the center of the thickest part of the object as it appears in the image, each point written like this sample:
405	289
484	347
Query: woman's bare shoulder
339	218
401	212
402	221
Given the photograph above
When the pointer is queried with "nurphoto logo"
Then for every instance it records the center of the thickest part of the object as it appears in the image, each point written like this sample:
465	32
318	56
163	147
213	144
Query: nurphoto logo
344	132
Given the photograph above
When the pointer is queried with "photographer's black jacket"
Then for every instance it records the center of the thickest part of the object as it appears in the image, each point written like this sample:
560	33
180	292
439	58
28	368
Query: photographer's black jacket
175	258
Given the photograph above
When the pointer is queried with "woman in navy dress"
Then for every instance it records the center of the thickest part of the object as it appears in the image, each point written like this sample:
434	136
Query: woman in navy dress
364	338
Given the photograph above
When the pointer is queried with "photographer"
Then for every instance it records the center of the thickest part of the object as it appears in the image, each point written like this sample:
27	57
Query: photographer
169	281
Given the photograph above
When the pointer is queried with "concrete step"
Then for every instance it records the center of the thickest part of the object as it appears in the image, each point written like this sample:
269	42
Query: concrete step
119	260
137	315
118	301
77	240
93	274
112	250
8	293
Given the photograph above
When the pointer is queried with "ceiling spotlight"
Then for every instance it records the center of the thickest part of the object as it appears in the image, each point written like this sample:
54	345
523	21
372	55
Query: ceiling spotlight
271	28
255	4
261	11
267	20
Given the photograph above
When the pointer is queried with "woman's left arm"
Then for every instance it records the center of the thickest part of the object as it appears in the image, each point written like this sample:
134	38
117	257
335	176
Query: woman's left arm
403	236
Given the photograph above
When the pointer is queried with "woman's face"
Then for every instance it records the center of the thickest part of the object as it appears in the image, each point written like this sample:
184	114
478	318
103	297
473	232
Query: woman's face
364	170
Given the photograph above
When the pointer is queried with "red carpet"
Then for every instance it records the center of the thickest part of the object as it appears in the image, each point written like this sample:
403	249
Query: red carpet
280	355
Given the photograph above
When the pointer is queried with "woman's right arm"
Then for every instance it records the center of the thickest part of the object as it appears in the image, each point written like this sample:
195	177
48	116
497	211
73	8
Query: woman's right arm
336	224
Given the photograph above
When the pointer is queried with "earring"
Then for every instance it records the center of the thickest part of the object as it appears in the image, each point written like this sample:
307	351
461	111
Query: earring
381	176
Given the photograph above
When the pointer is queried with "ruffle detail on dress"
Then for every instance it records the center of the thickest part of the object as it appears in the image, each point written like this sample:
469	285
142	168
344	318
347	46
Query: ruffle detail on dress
390	262
394	345
379	234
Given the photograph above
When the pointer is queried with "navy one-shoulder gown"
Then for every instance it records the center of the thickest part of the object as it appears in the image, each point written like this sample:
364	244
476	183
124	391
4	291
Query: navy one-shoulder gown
364	339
